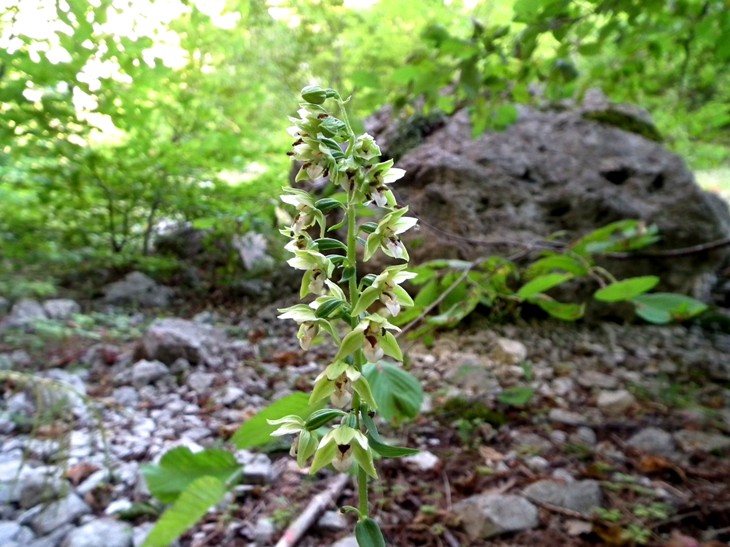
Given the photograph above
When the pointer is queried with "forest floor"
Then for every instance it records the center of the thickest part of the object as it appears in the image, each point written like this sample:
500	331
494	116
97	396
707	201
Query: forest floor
642	411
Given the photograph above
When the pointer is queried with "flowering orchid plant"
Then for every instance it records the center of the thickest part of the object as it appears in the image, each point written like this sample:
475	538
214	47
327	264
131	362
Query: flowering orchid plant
356	316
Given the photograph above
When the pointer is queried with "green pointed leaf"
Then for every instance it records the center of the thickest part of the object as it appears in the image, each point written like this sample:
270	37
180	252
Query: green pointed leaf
364	458
192	504
350	344
328	307
362	387
308	443
368	534
560	263
323	417
323	456
369	227
257	432
390	346
541	284
626	289
661	308
369	295
179	467
560	310
330	244
398	394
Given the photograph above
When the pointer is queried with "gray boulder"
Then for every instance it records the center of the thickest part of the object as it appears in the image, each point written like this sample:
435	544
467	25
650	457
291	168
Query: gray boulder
653	441
573	171
167	340
488	515
61	308
146	372
24	312
138	289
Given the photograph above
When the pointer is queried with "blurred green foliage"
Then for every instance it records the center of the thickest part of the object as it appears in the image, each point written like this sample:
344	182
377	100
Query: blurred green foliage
118	120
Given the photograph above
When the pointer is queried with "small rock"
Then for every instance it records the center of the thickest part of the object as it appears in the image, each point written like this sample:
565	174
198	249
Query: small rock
4	305
530	443
423	461
146	372
257	468
332	521
113	532
593	378
200	381
37	487
615	403
567	417
691	441
509	352
61	308
60	512
231	395
263	531
53	539
126	396
13	531
537	463
583	436
347	541
24	312
97	478
488	515
653	441
580	496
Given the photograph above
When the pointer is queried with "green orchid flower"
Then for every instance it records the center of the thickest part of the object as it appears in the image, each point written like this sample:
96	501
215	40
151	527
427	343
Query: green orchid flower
373	336
337	382
307	213
304	445
376	179
387	290
386	237
340	447
318	268
309	324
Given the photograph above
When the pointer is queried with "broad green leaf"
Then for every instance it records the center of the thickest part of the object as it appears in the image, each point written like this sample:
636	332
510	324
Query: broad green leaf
661	308
551	264
192	504
626	289
398	393
368	534
516	396
541	284
560	310
257	432
180	467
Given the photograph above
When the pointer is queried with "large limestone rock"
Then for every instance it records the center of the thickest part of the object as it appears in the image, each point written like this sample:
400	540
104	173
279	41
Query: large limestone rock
169	339
554	171
137	289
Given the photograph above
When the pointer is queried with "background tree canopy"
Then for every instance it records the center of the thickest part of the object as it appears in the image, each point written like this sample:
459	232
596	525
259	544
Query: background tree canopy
120	116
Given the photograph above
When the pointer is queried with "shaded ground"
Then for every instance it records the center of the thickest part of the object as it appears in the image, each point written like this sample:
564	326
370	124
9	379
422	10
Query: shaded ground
678	378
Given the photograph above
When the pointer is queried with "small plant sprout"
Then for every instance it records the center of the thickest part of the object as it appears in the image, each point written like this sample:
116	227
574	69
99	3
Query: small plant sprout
354	312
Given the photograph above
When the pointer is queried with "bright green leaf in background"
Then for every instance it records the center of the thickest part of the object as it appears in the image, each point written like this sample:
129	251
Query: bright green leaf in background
626	289
179	467
257	432
192	504
541	284
398	393
662	308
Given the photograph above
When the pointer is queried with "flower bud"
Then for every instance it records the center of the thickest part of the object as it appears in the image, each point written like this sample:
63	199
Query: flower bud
314	94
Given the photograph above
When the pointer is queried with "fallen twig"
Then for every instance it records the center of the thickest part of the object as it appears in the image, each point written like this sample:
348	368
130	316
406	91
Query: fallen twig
296	529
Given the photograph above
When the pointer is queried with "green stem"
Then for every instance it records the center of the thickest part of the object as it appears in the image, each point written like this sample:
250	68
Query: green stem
362	478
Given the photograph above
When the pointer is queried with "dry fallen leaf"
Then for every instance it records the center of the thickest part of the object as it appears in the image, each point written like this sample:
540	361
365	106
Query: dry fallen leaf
77	473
